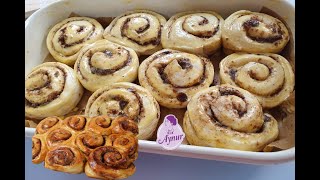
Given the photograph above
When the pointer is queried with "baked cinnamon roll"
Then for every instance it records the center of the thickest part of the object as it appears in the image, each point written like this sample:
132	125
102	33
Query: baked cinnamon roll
173	77
100	125
58	136
103	63
39	149
108	162
65	159
139	30
66	38
228	117
75	123
268	76
124	125
52	89
126	99
88	141
46	124
197	32
252	32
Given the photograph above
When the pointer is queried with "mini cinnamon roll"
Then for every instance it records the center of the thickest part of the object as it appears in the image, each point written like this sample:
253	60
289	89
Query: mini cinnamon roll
197	32
58	136
87	141
52	89
126	99
108	162
66	38
268	76
39	149
126	143
46	124
65	159
252	32
173	77
100	125
229	117
124	125
103	63
139	30
76	123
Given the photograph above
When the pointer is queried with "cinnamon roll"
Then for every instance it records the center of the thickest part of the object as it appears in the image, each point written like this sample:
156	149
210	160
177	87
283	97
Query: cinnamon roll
58	136
65	159
87	141
39	149
173	77
100	125
139	30
103	63
124	125
52	89
75	123
46	124
197	32
66	38
252	32
268	76
108	162
228	117
124	143
126	99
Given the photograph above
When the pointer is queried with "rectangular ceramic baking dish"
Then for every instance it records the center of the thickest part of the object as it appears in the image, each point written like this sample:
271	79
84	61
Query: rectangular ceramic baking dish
38	24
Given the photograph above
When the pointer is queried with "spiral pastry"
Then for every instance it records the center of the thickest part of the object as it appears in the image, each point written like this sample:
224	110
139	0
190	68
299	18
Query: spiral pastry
75	123
58	136
125	143
108	162
87	141
173	77
139	30
196	32
228	117
268	76
39	149
100	125
65	159
252	32
123	125
66	38
46	124
126	99
52	89
103	63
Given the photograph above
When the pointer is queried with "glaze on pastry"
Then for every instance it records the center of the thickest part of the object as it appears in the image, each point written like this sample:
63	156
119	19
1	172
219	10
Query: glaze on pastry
139	30
252	32
66	38
126	99
103	63
52	89
173	77
197	32
268	76
228	117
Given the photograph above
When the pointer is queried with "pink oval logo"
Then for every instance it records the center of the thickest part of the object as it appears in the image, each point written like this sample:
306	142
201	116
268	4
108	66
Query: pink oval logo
170	134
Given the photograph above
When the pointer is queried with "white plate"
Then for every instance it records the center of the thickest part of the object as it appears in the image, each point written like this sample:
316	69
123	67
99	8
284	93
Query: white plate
39	23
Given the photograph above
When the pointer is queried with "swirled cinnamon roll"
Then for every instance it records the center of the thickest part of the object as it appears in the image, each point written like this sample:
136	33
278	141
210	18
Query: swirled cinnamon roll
100	125
65	159
197	32
46	124
252	32
126	143
268	76
103	63
126	99
139	30
108	162
173	77
124	125
52	89
66	38
39	149
75	123
87	141
228	117
58	136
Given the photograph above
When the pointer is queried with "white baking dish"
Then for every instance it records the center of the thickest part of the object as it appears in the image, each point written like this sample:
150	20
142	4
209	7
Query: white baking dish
38	25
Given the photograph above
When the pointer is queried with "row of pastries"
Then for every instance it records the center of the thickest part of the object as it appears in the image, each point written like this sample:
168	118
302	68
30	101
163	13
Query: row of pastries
176	74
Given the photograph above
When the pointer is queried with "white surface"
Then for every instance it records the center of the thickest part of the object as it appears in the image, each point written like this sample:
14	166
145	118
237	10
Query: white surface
38	25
